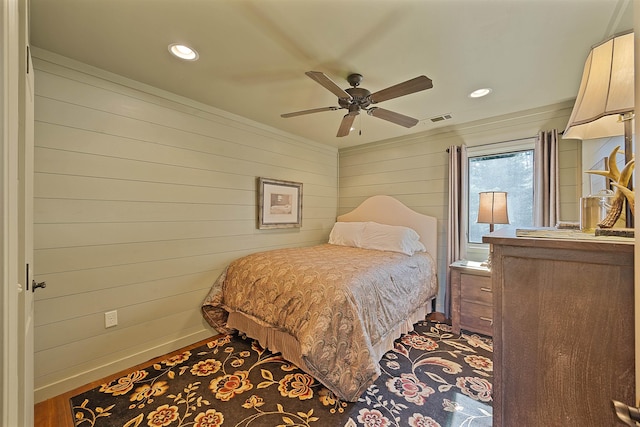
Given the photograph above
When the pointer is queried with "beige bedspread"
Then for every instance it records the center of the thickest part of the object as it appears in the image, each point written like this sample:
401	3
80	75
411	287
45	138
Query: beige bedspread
337	301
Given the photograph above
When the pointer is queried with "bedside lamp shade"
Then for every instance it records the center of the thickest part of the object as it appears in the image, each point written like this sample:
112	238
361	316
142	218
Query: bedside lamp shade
606	95
493	208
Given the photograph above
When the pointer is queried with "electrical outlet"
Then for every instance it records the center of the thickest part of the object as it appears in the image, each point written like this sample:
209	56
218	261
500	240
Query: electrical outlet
111	319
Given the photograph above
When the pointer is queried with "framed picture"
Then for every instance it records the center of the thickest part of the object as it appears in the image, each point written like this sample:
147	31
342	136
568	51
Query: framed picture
279	203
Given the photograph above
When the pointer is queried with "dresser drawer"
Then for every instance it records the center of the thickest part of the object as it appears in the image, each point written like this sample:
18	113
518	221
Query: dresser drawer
476	288
476	317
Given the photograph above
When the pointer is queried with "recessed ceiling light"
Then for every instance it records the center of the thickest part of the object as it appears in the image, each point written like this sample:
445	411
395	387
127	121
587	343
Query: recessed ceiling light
479	93
183	52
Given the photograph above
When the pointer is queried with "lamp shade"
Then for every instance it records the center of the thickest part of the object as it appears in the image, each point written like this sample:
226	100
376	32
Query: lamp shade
606	90
493	208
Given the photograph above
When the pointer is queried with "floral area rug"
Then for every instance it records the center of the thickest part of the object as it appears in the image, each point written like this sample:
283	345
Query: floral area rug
431	378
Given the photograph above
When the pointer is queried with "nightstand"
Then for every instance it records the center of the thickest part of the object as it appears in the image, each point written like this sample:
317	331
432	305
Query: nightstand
471	297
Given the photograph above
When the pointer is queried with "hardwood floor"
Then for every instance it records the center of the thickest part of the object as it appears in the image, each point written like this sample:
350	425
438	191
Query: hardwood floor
56	412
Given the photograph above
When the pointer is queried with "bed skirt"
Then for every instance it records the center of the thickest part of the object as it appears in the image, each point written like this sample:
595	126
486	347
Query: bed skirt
278	341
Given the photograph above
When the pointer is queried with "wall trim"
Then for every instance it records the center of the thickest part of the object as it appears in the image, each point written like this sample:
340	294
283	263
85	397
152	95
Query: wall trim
72	382
133	88
475	128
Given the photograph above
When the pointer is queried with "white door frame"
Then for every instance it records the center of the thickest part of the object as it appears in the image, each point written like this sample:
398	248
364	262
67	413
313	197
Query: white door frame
26	268
12	405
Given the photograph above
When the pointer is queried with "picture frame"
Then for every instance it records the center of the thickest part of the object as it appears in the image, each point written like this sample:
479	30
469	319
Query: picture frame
279	203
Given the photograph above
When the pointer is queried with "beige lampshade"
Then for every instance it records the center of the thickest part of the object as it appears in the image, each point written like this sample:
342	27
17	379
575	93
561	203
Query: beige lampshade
493	208
606	90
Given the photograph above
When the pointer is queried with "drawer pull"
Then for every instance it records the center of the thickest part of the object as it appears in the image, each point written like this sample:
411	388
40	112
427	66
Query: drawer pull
483	289
487	319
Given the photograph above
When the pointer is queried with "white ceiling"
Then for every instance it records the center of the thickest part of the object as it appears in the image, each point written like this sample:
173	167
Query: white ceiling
254	53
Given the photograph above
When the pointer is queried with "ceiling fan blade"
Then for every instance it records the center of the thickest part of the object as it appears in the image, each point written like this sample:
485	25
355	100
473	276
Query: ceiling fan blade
397	118
410	86
327	83
347	122
314	110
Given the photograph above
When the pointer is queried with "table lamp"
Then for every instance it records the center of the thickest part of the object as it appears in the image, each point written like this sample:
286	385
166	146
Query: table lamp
492	208
604	106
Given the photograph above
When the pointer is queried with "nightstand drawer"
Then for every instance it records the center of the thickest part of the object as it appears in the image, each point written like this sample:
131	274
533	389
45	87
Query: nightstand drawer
471	297
476	288
476	317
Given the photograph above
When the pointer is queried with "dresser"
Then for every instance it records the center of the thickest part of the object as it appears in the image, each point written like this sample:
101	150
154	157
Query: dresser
563	330
471	298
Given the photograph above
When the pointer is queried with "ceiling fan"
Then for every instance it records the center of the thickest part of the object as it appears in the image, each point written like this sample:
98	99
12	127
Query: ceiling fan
356	98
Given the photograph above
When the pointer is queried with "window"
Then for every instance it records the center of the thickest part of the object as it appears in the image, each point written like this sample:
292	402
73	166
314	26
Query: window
499	167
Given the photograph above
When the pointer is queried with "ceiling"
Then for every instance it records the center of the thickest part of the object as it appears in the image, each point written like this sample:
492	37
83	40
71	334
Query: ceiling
254	53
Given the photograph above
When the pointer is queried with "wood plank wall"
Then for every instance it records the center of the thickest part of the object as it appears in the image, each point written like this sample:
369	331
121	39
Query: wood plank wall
141	199
415	169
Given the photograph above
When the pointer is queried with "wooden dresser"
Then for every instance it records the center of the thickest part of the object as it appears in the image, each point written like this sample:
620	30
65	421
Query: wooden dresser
563	330
471	298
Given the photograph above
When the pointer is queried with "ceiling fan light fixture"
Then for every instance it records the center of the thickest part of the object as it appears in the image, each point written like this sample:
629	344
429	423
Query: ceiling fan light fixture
479	93
183	52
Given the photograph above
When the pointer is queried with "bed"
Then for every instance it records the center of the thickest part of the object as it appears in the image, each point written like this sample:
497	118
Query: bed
334	309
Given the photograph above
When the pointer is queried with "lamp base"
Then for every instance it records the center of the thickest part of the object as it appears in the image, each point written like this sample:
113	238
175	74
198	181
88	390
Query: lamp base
628	156
619	232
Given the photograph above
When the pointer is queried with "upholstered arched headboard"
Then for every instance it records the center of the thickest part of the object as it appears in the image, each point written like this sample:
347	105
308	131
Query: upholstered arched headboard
388	210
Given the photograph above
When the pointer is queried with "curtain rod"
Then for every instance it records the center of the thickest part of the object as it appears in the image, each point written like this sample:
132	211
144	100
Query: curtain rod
510	140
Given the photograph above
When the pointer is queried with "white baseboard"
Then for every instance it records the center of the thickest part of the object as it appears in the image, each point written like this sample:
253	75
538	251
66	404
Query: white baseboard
64	385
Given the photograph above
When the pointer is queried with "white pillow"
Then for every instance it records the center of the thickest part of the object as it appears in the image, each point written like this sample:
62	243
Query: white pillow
393	238
347	234
371	235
